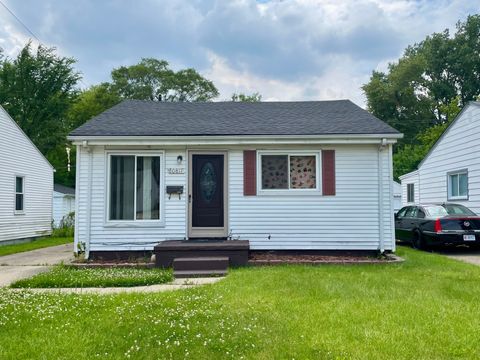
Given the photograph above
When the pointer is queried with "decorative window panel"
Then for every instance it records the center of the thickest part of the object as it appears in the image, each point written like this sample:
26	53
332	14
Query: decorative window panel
288	172
303	172
275	172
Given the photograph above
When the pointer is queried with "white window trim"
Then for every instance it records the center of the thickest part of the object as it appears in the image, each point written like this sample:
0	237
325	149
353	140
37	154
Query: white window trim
15	211
135	223
318	173
449	189
411	202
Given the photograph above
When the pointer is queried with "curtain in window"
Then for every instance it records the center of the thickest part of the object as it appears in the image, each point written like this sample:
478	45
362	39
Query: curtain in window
148	188
122	187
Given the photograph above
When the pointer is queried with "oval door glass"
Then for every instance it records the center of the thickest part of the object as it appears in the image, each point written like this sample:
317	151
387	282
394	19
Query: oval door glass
208	182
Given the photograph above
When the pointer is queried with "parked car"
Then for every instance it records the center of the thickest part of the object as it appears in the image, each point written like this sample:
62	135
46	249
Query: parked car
437	225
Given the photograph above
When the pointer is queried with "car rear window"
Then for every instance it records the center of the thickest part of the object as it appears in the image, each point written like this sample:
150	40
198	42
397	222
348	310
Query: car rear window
436	211
454	209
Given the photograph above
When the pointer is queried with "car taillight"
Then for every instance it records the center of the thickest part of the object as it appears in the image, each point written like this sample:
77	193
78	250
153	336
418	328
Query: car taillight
438	226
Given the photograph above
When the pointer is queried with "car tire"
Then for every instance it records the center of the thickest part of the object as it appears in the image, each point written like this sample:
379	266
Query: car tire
418	242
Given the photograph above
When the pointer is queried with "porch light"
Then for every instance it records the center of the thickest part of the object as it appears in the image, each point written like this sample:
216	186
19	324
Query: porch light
179	159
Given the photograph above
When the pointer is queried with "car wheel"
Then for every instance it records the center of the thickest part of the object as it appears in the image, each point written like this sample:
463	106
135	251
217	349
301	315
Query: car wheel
418	242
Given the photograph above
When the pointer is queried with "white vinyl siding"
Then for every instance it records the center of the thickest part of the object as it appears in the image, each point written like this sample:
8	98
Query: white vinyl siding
410	180
349	220
458	149
63	205
19	157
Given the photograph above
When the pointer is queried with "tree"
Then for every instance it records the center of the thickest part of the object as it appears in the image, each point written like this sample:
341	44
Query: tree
255	97
409	156
417	93
37	89
430	75
152	79
90	103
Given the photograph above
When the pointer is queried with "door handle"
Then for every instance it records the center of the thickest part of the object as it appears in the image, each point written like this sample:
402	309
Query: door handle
189	198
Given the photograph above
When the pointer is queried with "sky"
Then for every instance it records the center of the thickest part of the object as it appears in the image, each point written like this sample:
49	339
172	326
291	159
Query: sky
284	50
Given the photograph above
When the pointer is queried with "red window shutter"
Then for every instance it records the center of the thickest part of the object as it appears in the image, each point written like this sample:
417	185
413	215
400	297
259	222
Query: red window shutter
250	172
328	172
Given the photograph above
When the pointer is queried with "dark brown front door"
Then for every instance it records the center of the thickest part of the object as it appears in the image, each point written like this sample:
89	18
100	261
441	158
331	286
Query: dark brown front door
207	191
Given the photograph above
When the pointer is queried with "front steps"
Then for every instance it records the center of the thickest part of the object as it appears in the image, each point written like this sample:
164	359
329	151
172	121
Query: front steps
200	266
202	257
235	250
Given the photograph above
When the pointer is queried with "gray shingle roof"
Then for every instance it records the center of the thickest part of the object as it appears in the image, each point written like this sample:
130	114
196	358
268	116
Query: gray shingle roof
149	118
63	189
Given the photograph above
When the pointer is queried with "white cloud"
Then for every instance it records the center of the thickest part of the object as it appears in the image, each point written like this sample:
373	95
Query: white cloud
286	50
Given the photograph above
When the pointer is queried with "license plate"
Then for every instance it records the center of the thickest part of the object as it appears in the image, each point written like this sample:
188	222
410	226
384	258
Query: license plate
468	237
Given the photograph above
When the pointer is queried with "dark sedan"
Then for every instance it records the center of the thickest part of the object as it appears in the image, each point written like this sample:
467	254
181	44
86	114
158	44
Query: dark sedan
437	225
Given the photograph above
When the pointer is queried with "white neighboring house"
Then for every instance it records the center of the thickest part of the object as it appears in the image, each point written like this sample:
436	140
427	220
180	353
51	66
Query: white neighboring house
397	196
284	175
63	202
450	172
26	185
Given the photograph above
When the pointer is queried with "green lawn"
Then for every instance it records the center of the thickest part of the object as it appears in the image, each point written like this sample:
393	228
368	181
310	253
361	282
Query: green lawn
35	244
425	308
62	276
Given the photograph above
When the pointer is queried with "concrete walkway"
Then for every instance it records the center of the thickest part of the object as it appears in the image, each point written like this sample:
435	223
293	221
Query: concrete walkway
26	264
175	285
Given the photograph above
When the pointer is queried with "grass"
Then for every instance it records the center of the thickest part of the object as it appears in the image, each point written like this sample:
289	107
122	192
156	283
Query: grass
425	308
62	276
33	245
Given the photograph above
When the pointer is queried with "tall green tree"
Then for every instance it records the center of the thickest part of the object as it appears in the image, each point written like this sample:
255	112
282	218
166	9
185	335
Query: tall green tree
430	74
91	102
414	94
37	89
152	79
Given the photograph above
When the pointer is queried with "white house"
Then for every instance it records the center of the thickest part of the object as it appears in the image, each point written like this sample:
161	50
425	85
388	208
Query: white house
63	202
26	185
451	170
397	196
283	175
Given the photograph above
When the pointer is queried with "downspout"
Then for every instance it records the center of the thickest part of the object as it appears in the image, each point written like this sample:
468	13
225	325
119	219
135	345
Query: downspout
89	199
77	198
392	208
382	146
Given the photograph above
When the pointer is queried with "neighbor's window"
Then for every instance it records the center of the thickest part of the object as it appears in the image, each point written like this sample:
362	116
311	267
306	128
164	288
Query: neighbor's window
458	185
19	193
134	187
410	193
283	172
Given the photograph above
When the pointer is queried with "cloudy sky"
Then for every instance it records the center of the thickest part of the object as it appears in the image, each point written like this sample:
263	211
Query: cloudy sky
285	50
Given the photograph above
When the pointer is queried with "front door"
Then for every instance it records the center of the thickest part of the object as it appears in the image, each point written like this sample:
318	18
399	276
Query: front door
207	205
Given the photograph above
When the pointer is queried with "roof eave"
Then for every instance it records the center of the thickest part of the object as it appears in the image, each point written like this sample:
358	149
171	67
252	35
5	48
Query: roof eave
233	139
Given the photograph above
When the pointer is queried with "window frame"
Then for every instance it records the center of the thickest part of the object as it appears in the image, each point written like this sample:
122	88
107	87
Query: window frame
134	222
15	193
449	187
412	201
290	191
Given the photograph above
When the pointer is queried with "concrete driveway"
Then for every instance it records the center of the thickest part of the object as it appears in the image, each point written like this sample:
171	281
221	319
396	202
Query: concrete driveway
22	265
471	256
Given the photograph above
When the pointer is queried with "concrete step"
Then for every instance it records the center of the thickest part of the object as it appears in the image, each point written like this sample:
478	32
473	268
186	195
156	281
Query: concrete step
201	263
179	274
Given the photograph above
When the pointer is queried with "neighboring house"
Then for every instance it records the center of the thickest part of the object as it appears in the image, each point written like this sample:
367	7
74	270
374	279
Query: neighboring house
26	185
63	202
397	196
283	175
451	170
